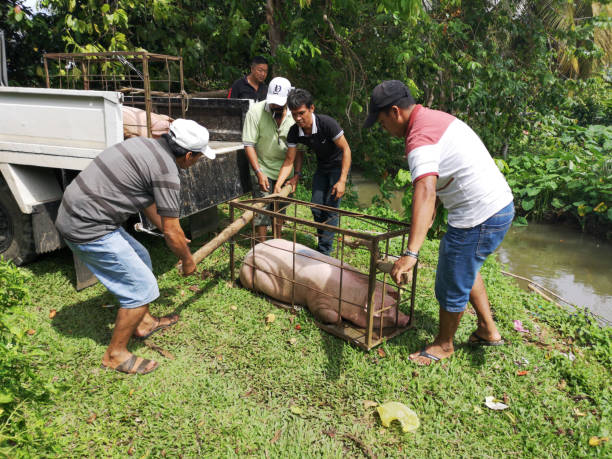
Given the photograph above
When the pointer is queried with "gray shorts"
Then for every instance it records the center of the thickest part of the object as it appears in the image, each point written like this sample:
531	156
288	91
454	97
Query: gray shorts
260	219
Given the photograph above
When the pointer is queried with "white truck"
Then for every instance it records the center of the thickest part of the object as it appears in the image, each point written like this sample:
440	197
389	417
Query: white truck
48	135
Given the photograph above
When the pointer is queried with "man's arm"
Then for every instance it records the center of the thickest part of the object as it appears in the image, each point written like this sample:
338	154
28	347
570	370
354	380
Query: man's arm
261	177
340	186
176	240
151	213
297	169
423	206
285	169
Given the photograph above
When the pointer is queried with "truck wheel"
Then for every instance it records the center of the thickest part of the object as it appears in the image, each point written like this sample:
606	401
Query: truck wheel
16	235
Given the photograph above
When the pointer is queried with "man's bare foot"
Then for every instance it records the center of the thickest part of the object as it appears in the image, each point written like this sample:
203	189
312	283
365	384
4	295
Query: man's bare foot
125	362
149	325
487	334
432	353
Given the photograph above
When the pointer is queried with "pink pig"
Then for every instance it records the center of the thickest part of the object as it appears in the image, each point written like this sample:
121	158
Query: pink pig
321	273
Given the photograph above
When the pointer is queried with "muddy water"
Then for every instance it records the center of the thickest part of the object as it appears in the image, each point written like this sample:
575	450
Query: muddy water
367	189
575	266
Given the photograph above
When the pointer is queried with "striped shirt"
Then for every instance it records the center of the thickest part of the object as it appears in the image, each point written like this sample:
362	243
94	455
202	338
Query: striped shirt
121	181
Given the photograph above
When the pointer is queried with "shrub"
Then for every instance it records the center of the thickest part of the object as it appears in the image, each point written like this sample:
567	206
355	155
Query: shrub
561	169
18	381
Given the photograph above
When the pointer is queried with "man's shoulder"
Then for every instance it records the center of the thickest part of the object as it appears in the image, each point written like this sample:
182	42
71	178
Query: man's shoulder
144	154
426	116
328	125
294	130
143	144
238	82
256	109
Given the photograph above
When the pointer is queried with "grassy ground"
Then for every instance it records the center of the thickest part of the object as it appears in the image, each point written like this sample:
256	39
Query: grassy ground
236	386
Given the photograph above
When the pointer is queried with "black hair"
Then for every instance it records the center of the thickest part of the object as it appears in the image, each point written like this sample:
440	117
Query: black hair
176	149
404	102
259	60
298	97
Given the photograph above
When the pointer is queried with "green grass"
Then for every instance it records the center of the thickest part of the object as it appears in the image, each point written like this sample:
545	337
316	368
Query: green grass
235	382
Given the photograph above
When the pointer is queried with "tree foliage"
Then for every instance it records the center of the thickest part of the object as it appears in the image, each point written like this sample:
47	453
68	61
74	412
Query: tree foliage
496	64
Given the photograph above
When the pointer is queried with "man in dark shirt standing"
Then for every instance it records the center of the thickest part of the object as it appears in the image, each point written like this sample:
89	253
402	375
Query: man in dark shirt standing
323	135
252	86
138	174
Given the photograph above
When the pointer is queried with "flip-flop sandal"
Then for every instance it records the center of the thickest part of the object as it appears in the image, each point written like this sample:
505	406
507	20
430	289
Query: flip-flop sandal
427	355
475	340
158	327
127	366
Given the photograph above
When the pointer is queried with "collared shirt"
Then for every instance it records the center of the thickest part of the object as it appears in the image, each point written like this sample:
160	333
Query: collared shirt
242	89
470	184
121	181
325	131
269	140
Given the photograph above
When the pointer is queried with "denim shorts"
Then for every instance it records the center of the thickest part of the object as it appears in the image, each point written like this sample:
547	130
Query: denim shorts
122	265
462	253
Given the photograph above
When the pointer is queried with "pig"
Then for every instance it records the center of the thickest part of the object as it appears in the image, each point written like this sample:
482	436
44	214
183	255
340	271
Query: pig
135	123
319	272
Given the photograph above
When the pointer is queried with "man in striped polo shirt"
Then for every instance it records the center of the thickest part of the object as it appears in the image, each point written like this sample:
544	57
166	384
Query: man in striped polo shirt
448	161
138	174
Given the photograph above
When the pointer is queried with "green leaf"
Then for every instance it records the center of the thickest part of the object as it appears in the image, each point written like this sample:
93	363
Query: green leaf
5	398
528	205
502	165
403	178
520	221
557	204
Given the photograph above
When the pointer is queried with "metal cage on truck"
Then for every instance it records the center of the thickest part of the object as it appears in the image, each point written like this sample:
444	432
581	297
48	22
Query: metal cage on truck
50	134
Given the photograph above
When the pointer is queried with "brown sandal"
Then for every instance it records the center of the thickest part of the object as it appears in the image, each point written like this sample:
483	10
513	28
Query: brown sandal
159	327
127	366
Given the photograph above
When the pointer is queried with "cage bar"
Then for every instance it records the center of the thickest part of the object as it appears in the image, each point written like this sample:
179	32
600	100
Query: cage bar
390	235
146	80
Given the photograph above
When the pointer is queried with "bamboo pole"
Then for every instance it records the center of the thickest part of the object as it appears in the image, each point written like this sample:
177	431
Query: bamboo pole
540	287
233	229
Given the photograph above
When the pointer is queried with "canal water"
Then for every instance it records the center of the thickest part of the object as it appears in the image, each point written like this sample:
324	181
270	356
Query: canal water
575	266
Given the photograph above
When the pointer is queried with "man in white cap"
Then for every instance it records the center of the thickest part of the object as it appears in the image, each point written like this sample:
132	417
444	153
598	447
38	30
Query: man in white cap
265	142
139	174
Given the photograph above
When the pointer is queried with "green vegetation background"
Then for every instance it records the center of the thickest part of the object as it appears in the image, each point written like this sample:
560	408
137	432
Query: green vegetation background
533	78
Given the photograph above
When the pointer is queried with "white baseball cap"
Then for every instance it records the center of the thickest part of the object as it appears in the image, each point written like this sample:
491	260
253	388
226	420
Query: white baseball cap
278	90
191	136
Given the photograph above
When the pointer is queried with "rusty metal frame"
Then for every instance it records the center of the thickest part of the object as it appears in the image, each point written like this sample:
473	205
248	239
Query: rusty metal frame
134	80
371	336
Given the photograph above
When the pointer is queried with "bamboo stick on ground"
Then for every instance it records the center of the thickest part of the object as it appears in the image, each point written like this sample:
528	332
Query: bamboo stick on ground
234	228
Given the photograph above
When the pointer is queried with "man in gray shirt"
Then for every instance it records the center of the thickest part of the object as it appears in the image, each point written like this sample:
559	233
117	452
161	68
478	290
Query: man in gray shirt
138	174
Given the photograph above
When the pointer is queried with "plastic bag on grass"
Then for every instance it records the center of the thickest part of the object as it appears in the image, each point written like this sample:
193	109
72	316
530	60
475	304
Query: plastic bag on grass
398	411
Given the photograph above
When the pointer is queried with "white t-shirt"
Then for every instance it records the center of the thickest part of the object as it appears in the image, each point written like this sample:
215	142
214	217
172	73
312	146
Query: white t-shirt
469	185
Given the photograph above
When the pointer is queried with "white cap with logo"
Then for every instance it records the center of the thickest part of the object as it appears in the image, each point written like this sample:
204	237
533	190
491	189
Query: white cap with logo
278	90
191	136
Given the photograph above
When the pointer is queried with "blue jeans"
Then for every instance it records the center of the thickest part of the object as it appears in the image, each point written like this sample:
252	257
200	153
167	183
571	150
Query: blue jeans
462	253
122	265
322	184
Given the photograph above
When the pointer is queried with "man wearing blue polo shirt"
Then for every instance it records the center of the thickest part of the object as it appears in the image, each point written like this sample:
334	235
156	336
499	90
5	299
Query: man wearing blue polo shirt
323	135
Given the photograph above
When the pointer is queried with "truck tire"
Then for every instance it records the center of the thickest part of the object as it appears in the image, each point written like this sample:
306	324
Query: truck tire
16	234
